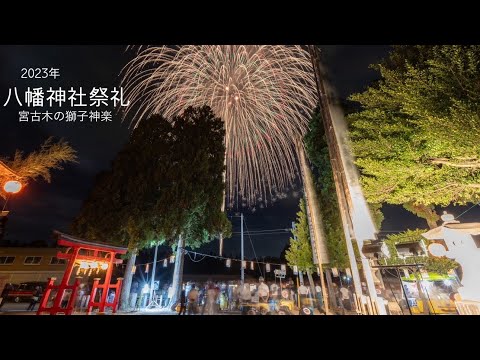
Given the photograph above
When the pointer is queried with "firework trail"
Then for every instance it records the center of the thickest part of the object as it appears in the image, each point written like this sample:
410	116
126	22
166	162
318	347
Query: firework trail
264	95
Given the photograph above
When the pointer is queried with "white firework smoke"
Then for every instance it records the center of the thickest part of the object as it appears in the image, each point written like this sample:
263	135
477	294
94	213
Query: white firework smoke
263	94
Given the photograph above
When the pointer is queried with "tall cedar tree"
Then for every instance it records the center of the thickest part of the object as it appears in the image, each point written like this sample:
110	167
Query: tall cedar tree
167	181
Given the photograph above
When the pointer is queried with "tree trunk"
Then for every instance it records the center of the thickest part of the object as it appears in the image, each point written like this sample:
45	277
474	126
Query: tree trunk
331	292
127	281
178	272
312	285
432	224
426	212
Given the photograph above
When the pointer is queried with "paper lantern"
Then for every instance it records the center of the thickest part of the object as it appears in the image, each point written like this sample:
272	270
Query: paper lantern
12	187
295	270
267	267
437	250
165	263
134	268
229	263
283	267
172	259
252	266
244	264
349	272
147	268
334	272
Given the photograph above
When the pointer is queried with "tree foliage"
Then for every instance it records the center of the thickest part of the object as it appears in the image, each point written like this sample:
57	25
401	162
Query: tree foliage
166	181
39	164
299	252
416	137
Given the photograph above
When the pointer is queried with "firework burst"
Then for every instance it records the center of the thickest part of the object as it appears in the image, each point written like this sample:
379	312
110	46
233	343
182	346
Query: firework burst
263	94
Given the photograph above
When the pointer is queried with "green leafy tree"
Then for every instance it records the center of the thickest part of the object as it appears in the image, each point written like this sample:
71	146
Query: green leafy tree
416	137
166	184
299	252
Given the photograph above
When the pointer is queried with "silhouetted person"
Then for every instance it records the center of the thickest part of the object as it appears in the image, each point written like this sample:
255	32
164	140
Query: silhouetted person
4	296
183	306
192	300
35	298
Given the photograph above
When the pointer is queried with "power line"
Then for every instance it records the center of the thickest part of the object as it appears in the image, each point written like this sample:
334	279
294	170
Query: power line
226	258
467	210
251	243
273	233
260	231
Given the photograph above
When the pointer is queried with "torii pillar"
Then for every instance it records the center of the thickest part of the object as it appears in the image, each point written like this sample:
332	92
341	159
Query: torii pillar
87	256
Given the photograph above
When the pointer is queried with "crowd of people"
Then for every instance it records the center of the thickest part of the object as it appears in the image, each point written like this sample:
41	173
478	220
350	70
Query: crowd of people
216	297
211	298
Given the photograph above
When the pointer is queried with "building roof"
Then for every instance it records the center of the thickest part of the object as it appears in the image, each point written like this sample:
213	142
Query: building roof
467	228
6	174
66	240
6	171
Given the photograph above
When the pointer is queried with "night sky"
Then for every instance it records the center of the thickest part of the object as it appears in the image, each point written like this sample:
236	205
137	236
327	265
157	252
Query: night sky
41	207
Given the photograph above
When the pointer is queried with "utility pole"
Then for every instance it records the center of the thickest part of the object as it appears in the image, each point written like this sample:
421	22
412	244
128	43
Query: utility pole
300	273
242	270
152	280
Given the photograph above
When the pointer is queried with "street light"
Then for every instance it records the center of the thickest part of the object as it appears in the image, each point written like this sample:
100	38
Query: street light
12	186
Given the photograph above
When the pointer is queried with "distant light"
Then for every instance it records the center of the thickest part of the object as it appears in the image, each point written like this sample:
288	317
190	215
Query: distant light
104	266
344	277
146	289
226	88
447	217
447	282
12	186
236	98
426	283
437	250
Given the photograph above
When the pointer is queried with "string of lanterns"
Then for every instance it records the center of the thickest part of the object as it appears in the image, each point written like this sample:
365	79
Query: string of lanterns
228	262
90	266
147	265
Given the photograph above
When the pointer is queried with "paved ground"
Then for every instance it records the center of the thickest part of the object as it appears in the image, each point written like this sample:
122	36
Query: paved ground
12	308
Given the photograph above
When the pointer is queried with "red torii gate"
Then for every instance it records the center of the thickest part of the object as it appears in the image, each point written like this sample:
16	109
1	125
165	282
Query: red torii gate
88	256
